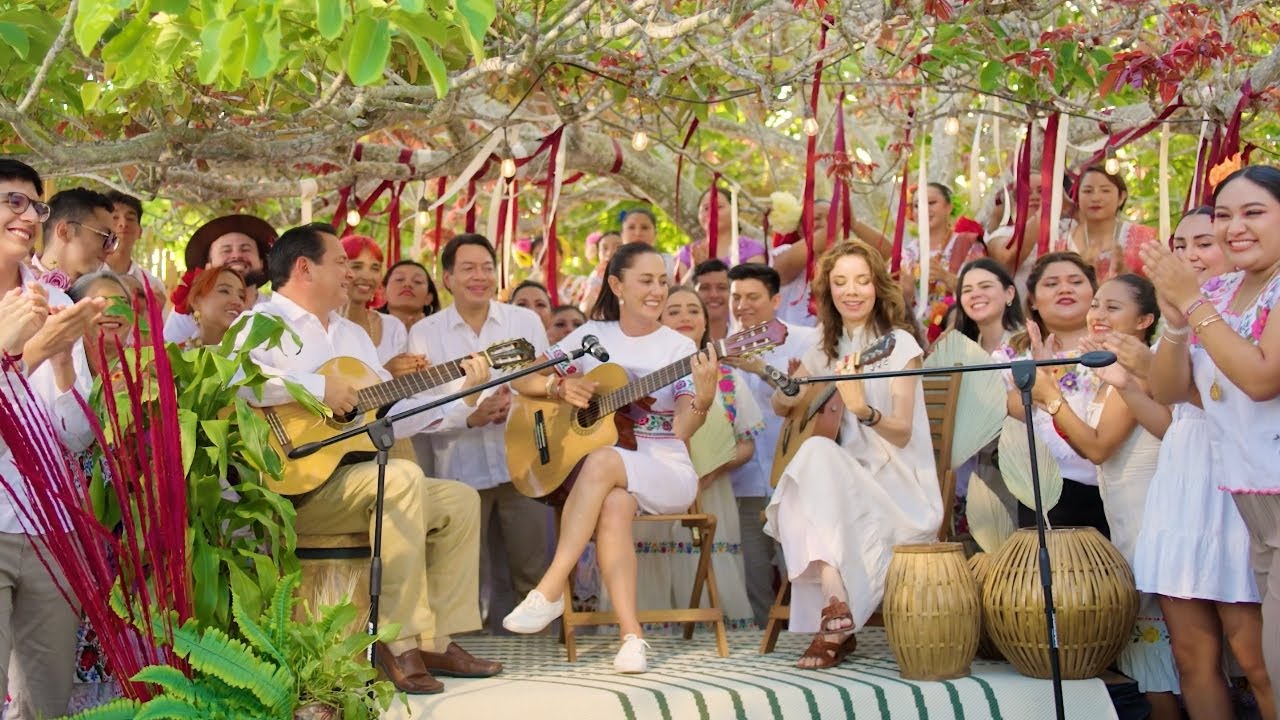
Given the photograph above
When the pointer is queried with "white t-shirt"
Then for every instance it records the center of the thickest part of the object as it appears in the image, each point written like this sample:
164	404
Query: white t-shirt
794	306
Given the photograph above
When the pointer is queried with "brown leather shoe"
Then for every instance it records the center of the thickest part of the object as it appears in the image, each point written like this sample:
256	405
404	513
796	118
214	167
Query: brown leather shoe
407	672
456	662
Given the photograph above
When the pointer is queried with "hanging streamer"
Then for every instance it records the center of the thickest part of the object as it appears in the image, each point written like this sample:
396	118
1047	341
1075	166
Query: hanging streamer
307	189
1048	156
1059	171
1022	187
713	219
438	230
473	168
975	167
555	165
840	214
1202	149
509	233
811	153
900	223
735	252
1165	231
693	126
1006	206
419	223
924	252
344	195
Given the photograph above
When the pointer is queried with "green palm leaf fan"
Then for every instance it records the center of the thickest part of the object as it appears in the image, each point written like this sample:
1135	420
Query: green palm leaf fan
980	406
1015	466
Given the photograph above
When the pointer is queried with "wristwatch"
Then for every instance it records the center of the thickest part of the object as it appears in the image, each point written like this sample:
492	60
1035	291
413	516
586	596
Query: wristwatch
1054	405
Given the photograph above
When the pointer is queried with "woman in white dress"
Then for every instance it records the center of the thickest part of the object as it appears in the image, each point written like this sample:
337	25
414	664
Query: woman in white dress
665	561
364	294
1119	432
839	508
613	483
1219	343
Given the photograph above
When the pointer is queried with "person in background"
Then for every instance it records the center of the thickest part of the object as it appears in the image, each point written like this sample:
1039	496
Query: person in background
214	299
990	311
698	251
607	244
533	296
840	507
790	254
711	280
127	213
472	446
410	293
239	242
564	320
639	225
77	237
1102	237
364	295
755	299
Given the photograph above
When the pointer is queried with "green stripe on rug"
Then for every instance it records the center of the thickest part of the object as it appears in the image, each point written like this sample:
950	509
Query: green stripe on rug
755	669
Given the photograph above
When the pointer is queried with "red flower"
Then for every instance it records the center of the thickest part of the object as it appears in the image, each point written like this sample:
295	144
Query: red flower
180	293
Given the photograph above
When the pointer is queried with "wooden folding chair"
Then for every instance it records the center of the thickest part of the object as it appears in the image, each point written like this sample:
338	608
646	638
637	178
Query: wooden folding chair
940	393
703	527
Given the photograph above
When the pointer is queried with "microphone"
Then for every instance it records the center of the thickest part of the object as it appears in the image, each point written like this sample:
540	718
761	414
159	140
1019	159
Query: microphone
1097	359
591	345
782	381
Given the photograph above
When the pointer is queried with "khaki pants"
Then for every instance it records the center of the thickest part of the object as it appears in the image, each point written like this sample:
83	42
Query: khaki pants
1261	514
37	634
430	542
524	526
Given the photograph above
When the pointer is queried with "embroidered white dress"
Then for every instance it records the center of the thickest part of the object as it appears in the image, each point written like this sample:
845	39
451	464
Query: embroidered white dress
848	504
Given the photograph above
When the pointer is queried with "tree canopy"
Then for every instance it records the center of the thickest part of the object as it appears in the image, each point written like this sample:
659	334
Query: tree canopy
230	103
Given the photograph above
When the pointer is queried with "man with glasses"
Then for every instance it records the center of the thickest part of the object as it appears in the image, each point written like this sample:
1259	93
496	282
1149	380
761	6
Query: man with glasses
78	235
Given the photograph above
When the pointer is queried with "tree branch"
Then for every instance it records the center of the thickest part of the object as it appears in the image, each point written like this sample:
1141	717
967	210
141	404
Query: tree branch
49	57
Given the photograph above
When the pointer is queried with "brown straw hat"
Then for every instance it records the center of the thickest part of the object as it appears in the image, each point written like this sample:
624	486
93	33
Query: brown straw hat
197	252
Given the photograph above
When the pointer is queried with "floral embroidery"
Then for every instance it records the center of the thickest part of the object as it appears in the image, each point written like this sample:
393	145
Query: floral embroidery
677	547
1221	291
653	424
1151	632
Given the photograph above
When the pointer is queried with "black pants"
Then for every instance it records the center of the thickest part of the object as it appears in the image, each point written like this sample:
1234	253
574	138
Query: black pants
1079	506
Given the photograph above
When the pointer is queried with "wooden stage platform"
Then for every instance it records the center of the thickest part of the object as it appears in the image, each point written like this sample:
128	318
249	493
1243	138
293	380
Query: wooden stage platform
686	680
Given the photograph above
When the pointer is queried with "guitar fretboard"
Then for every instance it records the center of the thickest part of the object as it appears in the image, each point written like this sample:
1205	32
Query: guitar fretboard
396	389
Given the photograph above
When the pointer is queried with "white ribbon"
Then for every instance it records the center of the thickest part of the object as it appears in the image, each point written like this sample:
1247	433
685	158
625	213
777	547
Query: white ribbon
307	189
735	252
1059	169
975	168
469	172
923	254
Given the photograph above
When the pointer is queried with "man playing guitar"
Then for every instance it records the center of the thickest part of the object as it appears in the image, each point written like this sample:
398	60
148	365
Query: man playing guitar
430	543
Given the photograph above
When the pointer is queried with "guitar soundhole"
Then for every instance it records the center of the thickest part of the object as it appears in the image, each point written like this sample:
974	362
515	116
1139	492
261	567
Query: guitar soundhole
341	421
586	417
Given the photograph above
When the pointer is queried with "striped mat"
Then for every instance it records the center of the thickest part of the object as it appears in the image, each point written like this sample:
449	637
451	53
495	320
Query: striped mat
687	680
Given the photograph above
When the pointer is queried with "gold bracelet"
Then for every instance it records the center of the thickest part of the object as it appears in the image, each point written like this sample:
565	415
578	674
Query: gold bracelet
1174	339
1207	321
694	407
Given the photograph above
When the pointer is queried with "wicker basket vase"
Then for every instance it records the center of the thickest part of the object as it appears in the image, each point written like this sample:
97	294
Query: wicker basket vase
931	611
980	564
1093	593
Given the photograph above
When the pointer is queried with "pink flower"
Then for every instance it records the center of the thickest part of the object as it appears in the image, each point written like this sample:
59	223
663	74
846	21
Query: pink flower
726	385
1260	323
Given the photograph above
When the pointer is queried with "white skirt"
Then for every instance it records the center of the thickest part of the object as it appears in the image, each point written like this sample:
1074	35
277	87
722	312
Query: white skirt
660	475
1192	544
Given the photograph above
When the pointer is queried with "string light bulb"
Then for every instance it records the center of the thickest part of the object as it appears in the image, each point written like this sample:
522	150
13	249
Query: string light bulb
1112	166
640	140
353	217
952	126
810	126
423	217
508	168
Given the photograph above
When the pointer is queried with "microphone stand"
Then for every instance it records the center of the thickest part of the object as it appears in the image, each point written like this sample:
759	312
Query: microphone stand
382	434
1024	378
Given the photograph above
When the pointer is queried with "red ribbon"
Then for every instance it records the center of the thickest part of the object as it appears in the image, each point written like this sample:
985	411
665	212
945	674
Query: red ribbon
550	242
1202	157
1022	201
471	202
840	213
811	156
900	224
713	219
1047	152
438	232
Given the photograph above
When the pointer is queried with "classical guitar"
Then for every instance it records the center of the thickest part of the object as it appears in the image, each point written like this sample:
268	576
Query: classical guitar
547	440
820	411
293	424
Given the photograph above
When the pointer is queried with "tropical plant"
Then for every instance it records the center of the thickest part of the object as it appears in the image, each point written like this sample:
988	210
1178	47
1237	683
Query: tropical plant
280	665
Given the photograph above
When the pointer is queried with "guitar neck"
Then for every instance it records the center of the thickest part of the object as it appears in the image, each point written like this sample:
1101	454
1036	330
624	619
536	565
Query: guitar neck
649	384
397	389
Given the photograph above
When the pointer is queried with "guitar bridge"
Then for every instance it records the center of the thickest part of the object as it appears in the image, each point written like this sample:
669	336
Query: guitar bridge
277	429
540	437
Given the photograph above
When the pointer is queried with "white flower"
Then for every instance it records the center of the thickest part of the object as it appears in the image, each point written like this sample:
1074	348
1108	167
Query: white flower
785	213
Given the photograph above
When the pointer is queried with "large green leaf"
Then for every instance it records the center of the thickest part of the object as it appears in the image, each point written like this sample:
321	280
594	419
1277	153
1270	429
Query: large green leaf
234	663
435	66
16	38
93	19
476	16
370	48
329	17
210	63
188	421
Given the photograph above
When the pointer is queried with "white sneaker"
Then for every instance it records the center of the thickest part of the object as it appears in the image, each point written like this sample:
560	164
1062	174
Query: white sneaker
533	613
631	658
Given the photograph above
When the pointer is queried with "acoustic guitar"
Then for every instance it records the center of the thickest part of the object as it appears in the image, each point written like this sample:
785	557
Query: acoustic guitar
820	411
547	440
293	424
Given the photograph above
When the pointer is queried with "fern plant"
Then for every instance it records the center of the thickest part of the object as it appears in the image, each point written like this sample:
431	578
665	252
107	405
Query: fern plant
282	664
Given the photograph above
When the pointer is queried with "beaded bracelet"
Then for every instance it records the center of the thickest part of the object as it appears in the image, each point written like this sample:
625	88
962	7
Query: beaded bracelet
694	407
872	419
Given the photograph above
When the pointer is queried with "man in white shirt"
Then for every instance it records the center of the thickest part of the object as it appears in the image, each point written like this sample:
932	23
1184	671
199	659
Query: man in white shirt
37	626
790	261
476	452
430	542
239	242
754	299
127	214
711	282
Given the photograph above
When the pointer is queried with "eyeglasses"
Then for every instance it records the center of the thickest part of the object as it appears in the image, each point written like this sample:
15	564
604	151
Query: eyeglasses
109	239
19	202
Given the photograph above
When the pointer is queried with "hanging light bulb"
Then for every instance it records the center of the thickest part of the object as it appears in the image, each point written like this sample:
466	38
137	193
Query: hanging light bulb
423	217
1112	166
508	168
353	217
810	126
952	126
640	140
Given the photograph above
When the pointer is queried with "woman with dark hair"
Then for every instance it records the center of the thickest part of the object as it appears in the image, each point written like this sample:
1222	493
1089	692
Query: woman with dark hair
365	294
613	483
1219	342
839	508
990	311
564	320
1188	551
410	293
1102	237
606	245
698	251
1060	289
533	295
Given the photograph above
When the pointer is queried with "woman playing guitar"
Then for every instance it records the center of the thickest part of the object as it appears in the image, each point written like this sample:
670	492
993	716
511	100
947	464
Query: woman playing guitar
613	483
840	507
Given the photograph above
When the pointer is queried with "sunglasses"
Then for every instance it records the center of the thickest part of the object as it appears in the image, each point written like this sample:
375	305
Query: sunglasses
109	239
19	202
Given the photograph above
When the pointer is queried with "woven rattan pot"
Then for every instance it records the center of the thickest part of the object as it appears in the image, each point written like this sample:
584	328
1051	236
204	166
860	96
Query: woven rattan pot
1093	593
980	564
931	611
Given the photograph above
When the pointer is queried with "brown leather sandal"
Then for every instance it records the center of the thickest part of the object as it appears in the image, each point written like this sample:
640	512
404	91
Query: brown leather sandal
834	611
828	654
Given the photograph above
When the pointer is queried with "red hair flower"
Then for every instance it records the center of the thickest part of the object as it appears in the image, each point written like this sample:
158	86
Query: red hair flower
180	294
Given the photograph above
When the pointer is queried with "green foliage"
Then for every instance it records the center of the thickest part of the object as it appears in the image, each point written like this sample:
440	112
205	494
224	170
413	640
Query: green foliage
280	665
